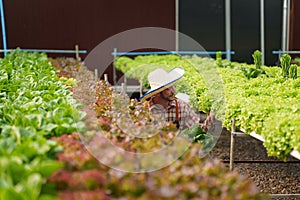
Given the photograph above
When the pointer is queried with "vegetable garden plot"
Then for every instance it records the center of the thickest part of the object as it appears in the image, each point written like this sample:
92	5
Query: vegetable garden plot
267	103
186	178
34	106
42	156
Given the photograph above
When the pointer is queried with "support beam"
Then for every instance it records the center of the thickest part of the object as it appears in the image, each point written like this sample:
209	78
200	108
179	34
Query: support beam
285	25
3	28
262	31
228	29
177	25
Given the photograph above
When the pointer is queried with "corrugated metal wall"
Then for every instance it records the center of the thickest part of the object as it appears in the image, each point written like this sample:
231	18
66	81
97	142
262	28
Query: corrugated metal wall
61	24
205	22
295	26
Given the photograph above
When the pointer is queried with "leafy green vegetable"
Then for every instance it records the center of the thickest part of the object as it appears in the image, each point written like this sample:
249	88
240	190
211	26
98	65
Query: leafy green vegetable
257	57
196	133
285	65
252	72
254	97
219	59
293	71
34	106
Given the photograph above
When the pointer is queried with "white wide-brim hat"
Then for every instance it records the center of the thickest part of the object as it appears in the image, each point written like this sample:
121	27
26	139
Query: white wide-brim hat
160	80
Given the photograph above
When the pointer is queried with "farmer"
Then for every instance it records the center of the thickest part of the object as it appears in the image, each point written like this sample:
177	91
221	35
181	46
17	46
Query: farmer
161	100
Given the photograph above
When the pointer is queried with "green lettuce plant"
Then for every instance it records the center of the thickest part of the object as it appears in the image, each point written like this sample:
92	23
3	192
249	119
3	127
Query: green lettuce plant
293	71
285	62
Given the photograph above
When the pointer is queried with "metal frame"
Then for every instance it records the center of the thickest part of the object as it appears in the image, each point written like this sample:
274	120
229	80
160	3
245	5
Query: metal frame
231	162
234	134
115	54
281	52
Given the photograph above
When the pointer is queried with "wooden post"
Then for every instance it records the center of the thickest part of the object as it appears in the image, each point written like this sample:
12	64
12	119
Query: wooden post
125	81
232	145
77	52
122	89
105	78
96	74
114	68
141	88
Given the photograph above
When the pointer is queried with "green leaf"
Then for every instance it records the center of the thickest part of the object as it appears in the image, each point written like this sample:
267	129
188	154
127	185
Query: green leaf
49	127
10	193
32	186
48	167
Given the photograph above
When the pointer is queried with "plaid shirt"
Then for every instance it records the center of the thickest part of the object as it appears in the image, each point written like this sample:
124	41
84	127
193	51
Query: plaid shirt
186	115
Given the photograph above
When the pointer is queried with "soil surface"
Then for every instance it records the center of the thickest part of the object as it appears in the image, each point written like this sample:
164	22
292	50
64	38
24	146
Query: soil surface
270	174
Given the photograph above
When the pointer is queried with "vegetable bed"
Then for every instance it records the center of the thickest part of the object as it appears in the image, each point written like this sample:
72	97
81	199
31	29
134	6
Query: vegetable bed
42	154
34	105
265	100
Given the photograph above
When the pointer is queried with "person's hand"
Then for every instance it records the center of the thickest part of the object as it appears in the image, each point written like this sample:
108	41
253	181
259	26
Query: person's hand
204	127
208	121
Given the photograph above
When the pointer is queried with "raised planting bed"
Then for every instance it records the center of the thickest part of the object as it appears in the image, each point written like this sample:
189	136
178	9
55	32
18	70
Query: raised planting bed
189	176
35	104
261	99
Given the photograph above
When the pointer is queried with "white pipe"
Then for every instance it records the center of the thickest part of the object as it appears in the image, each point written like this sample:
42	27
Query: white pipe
284	25
228	28
294	153
177	24
288	25
44	50
3	27
262	31
114	68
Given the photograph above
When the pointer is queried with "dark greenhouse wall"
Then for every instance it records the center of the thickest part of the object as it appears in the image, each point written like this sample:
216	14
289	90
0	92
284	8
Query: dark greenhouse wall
295	26
61	24
246	29
205	22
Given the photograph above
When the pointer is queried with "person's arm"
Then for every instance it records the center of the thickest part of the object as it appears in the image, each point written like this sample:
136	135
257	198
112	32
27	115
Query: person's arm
208	121
192	117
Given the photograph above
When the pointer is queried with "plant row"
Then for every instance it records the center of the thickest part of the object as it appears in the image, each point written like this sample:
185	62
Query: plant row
34	105
43	155
113	118
260	98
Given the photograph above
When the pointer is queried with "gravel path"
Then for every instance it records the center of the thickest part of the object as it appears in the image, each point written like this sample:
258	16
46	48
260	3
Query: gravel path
272	178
